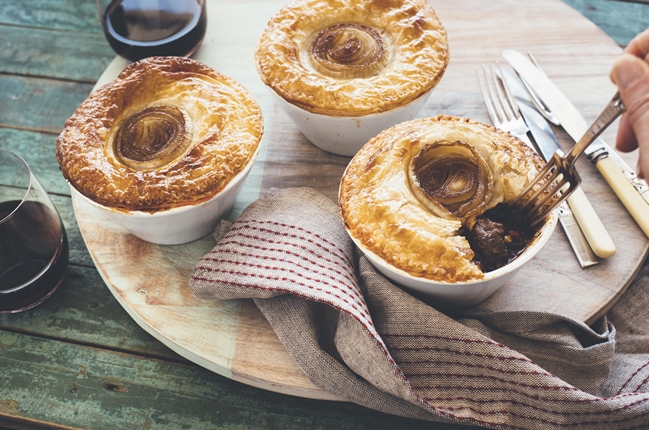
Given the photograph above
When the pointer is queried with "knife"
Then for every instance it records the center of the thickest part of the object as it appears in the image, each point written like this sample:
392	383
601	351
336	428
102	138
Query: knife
579	212
631	191
576	213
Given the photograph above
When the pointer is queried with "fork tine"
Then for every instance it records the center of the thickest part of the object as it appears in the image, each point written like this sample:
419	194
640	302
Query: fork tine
482	82
505	102
557	186
570	184
541	215
508	94
543	209
538	180
550	194
541	195
494	94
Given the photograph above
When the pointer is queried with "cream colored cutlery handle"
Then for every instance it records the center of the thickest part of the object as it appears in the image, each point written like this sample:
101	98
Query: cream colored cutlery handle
594	231
634	203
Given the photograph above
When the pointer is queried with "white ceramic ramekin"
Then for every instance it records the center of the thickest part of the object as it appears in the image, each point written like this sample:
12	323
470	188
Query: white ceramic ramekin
345	135
460	295
182	224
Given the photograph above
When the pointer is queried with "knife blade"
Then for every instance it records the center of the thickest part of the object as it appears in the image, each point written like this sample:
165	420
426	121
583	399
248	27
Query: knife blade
584	230
632	192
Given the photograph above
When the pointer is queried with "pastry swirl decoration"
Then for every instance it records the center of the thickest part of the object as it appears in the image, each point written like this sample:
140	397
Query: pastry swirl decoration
348	51
152	138
451	179
352	57
409	193
168	132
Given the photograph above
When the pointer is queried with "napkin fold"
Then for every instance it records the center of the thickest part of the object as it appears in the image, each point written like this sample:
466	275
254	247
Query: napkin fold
360	337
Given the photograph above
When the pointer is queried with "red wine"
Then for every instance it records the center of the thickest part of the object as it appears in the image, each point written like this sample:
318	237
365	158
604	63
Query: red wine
136	29
33	255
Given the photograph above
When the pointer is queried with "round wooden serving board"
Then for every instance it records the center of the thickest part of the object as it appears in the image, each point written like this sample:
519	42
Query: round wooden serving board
231	337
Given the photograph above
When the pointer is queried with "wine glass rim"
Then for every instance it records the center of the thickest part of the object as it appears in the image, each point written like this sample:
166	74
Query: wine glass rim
29	186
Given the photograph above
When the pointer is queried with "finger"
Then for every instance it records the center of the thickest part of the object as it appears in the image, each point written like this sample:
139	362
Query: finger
631	75
639	46
626	141
642	161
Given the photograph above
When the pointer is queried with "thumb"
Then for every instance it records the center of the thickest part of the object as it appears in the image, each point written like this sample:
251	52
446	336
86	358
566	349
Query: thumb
631	75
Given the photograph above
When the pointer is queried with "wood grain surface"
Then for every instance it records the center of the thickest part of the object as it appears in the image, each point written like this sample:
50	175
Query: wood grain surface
232	338
79	360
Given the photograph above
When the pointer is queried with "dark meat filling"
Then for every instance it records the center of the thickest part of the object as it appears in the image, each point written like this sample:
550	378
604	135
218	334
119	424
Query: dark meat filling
497	238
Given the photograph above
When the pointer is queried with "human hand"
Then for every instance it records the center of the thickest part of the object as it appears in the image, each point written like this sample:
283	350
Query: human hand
631	74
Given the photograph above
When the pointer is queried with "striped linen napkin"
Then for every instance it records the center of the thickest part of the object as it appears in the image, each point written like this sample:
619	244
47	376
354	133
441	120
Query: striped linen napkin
363	339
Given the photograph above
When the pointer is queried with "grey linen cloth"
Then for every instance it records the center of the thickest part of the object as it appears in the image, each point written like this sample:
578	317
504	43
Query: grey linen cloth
358	336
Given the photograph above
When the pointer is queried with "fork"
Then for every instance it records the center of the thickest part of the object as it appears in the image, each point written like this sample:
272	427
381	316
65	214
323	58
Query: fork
559	179
501	105
585	232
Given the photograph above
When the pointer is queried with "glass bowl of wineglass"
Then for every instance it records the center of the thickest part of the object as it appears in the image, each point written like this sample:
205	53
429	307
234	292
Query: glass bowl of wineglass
33	244
137	29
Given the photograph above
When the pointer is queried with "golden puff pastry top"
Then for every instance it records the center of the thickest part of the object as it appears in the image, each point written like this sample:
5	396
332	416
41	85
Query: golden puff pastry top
380	209
352	57
168	132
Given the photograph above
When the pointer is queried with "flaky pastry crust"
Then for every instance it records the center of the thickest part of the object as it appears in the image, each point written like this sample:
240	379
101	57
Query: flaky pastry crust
222	126
380	210
414	39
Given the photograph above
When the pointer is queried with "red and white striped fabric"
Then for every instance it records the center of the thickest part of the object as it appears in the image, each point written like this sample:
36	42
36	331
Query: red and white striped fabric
360	337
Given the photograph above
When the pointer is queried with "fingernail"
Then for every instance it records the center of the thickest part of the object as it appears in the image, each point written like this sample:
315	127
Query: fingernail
628	72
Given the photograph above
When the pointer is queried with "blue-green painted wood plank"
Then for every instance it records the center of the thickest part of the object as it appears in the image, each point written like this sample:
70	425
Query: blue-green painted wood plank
75	15
620	20
39	104
77	386
53	53
38	150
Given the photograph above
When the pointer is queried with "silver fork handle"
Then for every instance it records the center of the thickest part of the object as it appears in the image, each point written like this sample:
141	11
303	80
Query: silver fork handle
614	109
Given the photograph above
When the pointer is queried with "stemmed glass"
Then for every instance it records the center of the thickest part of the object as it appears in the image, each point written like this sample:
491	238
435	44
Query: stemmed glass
136	29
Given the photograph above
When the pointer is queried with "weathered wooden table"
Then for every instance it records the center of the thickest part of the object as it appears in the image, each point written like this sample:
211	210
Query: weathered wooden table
79	360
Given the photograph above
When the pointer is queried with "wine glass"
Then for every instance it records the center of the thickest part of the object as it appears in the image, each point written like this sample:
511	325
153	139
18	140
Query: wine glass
136	29
33	243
